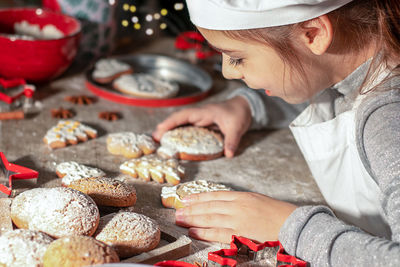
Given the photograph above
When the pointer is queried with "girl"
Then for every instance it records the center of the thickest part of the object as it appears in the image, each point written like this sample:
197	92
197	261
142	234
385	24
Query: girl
343	56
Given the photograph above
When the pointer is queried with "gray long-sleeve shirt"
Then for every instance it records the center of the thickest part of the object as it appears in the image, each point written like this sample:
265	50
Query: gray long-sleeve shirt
313	233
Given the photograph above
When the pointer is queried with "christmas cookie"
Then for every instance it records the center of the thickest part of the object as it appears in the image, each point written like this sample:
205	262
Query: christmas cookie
55	211
78	251
146	86
106	70
191	143
106	191
68	132
171	197
71	171
129	233
152	167
130	145
23	247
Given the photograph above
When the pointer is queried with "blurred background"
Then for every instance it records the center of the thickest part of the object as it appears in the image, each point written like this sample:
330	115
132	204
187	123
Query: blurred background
119	26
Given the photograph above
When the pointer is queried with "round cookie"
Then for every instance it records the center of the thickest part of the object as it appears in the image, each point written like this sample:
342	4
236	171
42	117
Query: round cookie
171	197
55	211
146	86
71	171
106	70
23	247
191	143
130	145
153	167
78	251
106	191
129	233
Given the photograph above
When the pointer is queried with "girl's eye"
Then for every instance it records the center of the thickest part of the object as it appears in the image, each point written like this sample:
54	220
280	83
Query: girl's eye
235	61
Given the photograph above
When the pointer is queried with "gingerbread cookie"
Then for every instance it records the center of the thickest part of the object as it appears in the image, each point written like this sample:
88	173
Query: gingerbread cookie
68	132
71	171
191	143
130	145
55	211
78	251
129	233
153	167
23	247
171	197
106	191
106	70
146	86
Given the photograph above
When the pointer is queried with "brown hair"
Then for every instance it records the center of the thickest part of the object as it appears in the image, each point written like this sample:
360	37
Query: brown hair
356	24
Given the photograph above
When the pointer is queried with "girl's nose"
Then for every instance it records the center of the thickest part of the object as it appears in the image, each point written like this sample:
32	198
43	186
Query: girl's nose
230	71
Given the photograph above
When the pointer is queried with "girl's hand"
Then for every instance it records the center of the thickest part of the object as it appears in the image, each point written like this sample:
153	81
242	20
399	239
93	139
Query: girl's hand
216	216
233	117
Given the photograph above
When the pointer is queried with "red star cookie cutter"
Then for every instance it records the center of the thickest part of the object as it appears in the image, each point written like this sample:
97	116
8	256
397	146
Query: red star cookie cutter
9	171
255	251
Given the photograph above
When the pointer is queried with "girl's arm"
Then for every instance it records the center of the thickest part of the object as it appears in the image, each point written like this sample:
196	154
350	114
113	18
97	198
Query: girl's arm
314	234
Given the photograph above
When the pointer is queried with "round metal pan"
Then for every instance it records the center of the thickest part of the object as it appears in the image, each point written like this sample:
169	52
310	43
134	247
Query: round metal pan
194	83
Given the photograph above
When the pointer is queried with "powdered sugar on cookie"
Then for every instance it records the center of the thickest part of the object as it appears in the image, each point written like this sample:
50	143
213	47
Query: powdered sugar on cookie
72	171
56	211
192	140
146	85
130	144
193	187
152	167
23	247
68	132
105	68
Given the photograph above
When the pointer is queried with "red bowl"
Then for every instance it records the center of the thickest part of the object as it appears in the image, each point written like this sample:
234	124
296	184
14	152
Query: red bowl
37	60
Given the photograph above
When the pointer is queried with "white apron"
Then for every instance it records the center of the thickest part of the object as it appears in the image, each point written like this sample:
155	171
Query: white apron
329	147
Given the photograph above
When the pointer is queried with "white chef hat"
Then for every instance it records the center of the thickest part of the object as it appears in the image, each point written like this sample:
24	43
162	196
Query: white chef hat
252	14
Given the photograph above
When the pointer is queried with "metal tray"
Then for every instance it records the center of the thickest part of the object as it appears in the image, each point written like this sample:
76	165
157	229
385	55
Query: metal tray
194	83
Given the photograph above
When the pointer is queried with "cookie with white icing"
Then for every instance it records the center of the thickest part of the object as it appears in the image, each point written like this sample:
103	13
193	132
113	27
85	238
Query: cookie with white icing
78	251
129	233
154	168
68	132
23	248
130	145
106	70
191	143
171	197
106	191
146	86
72	171
57	211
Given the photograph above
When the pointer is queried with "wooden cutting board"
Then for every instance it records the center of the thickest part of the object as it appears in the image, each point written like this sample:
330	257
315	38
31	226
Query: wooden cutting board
173	246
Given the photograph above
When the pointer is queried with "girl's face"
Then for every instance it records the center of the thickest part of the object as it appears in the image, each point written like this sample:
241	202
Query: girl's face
260	67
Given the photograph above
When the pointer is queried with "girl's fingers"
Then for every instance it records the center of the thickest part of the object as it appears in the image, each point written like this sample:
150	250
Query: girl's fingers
211	196
231	143
197	117
205	221
223	235
216	207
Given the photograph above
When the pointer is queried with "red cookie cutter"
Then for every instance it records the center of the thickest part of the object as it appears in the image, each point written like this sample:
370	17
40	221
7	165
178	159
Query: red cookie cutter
255	251
27	89
194	40
11	171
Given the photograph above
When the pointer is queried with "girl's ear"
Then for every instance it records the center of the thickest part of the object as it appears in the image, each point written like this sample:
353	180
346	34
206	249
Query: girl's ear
317	34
